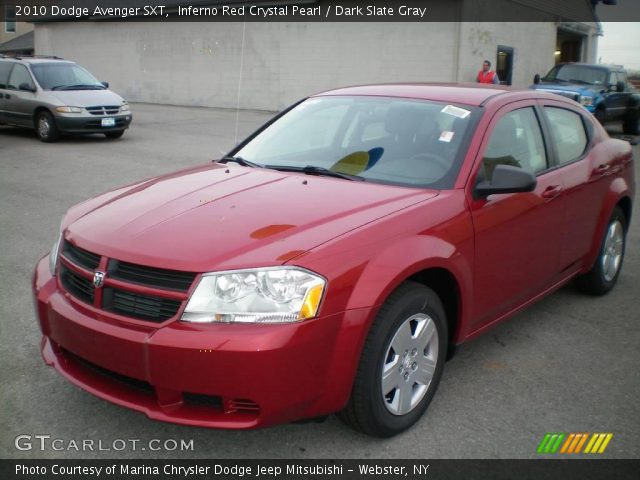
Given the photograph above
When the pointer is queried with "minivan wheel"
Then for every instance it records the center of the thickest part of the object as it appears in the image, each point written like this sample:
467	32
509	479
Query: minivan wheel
117	134
401	363
603	275
46	128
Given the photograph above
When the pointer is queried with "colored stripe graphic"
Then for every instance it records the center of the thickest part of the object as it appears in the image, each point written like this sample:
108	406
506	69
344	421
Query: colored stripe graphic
550	443
598	442
572	443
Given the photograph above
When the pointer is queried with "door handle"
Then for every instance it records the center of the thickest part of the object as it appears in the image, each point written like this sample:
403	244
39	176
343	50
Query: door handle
552	192
601	169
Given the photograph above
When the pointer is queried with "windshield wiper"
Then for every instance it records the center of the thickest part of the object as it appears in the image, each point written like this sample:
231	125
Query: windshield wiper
239	161
314	170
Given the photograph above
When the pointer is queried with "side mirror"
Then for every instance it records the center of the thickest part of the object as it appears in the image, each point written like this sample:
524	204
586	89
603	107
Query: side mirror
620	86
25	87
105	84
536	78
506	179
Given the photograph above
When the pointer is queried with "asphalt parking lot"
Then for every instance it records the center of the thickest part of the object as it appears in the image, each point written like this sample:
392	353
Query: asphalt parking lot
571	363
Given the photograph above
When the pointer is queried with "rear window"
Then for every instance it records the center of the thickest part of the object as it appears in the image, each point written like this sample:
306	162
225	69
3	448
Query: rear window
568	134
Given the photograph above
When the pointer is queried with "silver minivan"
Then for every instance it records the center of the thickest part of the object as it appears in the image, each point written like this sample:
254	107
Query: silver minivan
56	96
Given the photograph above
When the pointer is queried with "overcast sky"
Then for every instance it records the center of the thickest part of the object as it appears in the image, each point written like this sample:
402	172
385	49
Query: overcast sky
620	44
621	41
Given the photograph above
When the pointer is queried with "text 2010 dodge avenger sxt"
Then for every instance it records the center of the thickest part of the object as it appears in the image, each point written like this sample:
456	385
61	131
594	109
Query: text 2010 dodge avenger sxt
332	260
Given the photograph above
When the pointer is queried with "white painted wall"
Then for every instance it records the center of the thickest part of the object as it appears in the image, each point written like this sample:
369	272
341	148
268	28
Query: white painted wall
198	64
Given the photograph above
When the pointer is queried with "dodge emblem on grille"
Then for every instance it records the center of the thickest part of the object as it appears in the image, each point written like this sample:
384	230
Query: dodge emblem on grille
98	279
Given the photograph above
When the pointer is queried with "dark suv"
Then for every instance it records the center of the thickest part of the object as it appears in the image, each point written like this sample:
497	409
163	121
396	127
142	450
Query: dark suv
55	97
602	89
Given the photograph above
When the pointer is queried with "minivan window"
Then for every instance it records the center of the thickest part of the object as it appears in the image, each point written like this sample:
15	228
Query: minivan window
64	76
5	68
19	75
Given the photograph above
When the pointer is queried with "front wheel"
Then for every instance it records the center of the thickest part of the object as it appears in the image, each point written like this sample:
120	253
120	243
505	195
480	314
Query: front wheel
46	127
603	275
401	363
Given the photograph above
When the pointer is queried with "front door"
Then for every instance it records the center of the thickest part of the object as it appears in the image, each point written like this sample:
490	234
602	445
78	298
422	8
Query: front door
517	236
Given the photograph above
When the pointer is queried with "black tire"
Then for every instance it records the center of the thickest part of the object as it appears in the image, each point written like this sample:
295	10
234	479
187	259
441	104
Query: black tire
631	124
117	134
368	411
598	281
601	115
46	128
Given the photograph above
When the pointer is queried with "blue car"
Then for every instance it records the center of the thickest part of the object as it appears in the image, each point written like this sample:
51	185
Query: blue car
602	89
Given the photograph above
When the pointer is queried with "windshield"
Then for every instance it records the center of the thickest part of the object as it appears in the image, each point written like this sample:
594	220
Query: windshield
64	76
378	139
577	74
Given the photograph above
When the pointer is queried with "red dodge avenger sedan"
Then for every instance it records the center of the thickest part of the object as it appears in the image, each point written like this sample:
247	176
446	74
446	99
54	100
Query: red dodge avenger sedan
332	261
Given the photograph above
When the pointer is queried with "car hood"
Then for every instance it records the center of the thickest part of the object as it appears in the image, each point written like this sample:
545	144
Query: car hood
567	87
87	98
225	217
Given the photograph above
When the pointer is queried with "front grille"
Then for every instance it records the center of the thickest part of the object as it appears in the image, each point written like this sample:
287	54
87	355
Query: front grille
80	257
103	110
125	299
137	305
150	276
201	400
129	382
78	286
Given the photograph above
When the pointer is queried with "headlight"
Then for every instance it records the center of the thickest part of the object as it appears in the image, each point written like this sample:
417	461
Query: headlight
69	109
266	295
586	101
53	256
125	108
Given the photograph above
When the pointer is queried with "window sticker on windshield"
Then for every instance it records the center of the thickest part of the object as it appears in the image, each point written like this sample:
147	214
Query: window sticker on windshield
456	111
446	136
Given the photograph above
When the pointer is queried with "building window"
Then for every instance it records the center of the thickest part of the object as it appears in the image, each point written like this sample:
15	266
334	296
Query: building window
9	18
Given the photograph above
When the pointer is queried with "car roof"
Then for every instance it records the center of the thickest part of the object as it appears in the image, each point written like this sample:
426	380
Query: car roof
472	94
601	66
42	59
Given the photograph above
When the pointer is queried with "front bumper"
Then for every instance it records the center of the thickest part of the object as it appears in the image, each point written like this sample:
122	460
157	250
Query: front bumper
225	375
87	123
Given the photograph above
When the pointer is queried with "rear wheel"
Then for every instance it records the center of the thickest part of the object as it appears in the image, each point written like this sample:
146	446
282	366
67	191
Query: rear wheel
631	124
401	363
117	134
603	275
46	128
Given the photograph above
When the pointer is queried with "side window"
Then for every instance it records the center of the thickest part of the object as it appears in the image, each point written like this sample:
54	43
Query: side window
5	68
9	19
613	79
568	133
516	140
19	75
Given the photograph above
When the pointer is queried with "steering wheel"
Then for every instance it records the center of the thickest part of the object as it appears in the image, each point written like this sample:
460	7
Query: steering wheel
441	162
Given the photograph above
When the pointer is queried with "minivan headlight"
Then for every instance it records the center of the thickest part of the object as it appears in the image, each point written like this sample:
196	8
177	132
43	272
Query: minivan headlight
66	109
125	108
264	295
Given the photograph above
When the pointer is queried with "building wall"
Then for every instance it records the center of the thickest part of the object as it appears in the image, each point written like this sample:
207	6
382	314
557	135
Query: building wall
199	64
21	28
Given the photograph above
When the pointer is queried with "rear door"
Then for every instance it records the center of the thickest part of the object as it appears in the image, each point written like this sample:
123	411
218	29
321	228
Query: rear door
517	236
584	168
